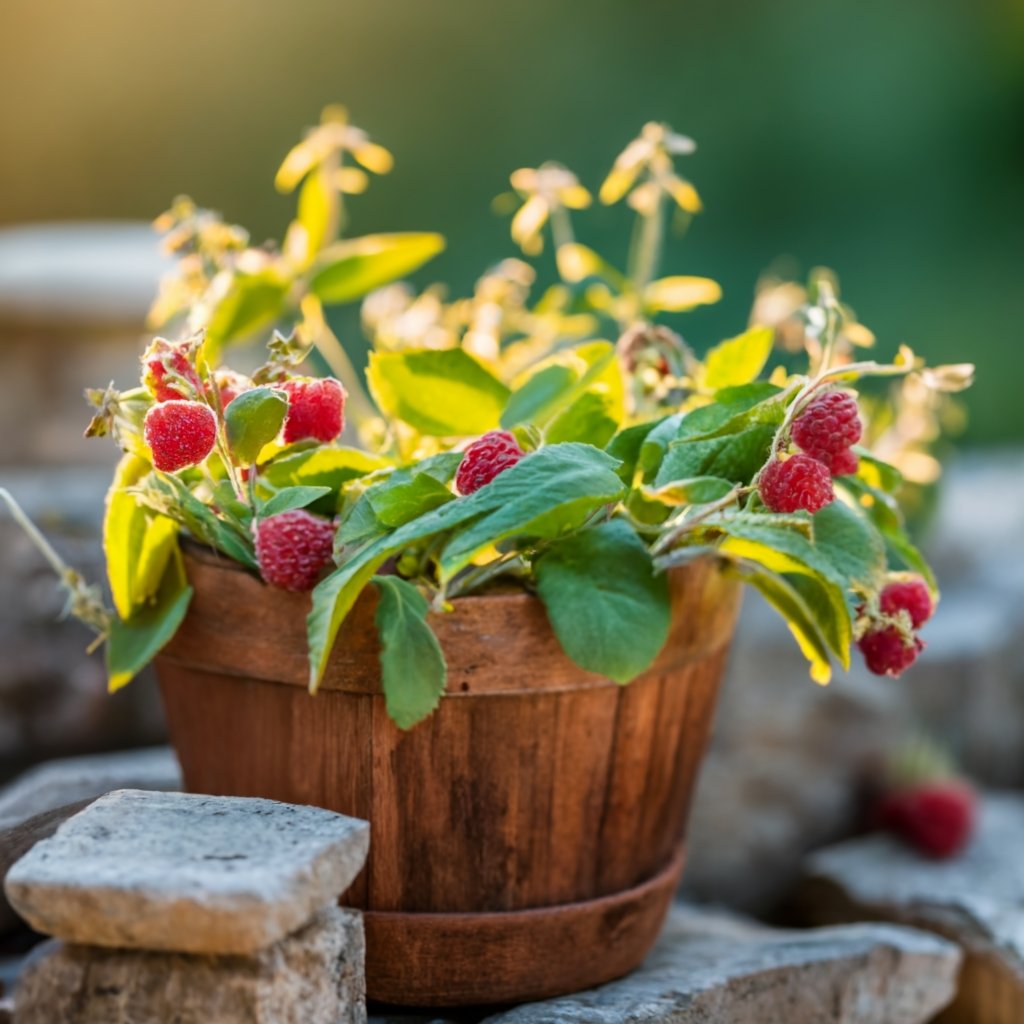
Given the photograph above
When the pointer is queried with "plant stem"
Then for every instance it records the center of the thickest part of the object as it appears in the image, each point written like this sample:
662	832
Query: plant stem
646	253
485	573
685	524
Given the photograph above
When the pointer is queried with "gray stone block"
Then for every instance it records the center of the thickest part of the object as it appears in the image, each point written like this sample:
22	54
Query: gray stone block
709	966
312	977
186	873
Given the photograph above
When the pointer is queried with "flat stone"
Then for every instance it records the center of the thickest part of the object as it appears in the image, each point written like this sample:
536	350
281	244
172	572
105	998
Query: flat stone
186	873
709	966
37	802
976	899
312	977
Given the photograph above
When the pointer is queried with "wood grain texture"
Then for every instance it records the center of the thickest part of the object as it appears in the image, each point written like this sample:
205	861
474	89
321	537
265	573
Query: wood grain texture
534	785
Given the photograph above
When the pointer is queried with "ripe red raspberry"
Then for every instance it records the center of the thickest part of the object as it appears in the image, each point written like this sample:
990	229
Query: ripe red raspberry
293	549
910	595
229	386
316	409
162	358
484	459
887	652
179	433
798	483
842	463
828	425
935	817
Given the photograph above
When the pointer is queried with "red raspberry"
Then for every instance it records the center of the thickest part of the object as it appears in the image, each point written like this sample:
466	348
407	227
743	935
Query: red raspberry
910	595
161	358
316	409
798	483
230	385
936	817
887	652
828	425
484	459
179	433
842	463
293	549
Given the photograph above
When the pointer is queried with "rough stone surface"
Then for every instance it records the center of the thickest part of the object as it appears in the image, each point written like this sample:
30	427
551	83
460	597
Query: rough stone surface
312	977
36	803
711	967
789	758
187	873
976	898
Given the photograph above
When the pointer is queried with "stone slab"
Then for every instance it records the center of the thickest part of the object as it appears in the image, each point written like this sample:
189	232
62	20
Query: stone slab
37	802
976	899
186	873
711	966
312	977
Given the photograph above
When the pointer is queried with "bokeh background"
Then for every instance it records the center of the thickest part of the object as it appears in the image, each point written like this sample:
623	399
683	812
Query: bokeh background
883	139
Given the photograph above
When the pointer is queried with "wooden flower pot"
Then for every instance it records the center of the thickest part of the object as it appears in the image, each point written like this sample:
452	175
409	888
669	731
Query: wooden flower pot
526	839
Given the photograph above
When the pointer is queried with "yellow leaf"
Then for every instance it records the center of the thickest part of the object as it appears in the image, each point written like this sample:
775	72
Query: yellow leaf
677	294
374	157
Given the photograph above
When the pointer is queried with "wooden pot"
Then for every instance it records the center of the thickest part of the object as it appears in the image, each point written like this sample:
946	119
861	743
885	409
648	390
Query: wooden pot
526	839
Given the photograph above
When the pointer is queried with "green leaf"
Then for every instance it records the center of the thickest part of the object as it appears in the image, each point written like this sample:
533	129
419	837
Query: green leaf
655	444
851	543
738	360
734	457
253	420
547	492
137	542
609	610
590	419
412	663
782	596
348	270
626	446
133	642
399	504
540	393
320	467
291	498
252	303
696	490
440	392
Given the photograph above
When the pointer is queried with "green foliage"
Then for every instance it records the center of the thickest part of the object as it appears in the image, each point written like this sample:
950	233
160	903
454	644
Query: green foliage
442	393
253	420
638	455
413	671
608	608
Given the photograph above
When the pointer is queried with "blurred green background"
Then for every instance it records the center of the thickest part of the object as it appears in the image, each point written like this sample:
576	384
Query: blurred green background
884	139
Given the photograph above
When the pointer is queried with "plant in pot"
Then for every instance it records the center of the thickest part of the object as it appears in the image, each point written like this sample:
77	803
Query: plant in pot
513	592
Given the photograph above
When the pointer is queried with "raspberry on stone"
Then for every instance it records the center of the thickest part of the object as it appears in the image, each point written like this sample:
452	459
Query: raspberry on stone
293	549
179	433
910	595
887	652
937	816
799	483
843	463
484	459
162	359
316	409
828	425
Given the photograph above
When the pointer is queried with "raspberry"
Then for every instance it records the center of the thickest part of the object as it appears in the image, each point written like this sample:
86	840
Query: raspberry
179	433
936	817
162	358
911	595
484	459
887	652
842	463
316	409
293	549
230	385
798	483
828	425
